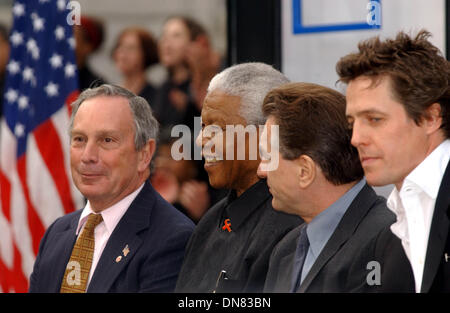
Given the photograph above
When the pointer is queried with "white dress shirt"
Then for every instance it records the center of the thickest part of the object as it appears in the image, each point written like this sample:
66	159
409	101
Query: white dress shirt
414	207
111	217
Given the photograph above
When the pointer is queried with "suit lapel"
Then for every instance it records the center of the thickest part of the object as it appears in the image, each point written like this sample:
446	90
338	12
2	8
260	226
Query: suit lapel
346	227
115	256
63	246
438	232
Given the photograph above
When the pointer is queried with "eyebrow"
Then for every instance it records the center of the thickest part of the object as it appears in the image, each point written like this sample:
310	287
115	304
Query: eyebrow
366	112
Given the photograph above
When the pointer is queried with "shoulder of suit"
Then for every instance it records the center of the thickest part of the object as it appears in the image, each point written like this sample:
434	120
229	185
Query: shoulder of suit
65	221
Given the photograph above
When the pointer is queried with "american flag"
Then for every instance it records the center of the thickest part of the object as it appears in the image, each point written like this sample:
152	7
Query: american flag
35	182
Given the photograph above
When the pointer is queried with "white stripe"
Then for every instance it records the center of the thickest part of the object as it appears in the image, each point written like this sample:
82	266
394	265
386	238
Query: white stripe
6	243
43	192
61	122
19	217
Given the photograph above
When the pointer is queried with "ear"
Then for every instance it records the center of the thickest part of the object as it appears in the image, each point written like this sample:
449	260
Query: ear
306	171
146	155
433	120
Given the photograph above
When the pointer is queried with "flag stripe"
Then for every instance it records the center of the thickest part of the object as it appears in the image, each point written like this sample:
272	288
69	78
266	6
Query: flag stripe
51	151
5	189
37	229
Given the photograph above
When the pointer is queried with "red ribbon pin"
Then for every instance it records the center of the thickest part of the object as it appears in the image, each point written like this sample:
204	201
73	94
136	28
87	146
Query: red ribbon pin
226	225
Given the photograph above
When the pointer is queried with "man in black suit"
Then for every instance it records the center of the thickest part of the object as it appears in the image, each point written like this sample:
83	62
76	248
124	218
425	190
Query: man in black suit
317	175
398	103
127	238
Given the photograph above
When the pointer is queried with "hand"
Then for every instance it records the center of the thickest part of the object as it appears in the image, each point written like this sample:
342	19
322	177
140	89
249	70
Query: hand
194	197
166	184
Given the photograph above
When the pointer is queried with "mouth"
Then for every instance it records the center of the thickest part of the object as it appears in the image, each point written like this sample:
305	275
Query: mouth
212	161
366	161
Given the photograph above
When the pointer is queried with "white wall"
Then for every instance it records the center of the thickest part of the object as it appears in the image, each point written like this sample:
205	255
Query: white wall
312	57
151	14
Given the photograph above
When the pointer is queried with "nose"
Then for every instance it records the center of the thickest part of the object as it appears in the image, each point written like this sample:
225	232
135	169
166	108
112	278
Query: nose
359	136
261	172
199	139
90	153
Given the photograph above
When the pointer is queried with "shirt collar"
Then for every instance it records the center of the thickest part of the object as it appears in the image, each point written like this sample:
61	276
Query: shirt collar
112	215
427	176
322	226
239	208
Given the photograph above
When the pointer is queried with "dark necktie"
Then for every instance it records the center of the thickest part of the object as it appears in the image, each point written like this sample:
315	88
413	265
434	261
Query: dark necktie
300	256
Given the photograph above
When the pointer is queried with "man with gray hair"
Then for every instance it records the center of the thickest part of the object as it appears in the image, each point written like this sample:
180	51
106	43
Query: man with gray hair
124	239
230	248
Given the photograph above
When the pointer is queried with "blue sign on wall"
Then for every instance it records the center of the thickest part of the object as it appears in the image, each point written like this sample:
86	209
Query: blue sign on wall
373	20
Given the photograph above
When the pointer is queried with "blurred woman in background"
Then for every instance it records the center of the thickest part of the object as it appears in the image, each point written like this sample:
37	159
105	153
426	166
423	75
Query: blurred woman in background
134	52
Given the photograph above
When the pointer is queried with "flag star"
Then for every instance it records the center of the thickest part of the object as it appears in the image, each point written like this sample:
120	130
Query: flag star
56	60
43	1
69	70
71	42
19	130
51	89
13	67
61	4
11	95
16	38
23	102
38	22
59	33
33	48
28	74
18	9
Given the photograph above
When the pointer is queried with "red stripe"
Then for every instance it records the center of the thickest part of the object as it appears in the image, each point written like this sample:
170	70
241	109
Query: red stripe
35	225
5	189
13	279
71	98
52	153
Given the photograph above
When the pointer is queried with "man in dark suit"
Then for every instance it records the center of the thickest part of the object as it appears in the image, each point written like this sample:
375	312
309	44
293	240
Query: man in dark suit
317	176
127	238
398	102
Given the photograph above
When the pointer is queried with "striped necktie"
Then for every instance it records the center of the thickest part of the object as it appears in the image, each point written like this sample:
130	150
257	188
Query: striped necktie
77	270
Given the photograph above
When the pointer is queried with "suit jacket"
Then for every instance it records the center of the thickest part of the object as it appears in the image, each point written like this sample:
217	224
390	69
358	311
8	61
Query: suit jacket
340	267
397	274
155	232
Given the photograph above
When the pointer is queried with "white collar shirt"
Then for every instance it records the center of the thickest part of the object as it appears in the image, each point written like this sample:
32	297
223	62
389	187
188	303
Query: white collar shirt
111	217
414	207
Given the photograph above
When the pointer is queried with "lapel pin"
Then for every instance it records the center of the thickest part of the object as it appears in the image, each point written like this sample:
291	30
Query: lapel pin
126	250
227	225
446	257
118	259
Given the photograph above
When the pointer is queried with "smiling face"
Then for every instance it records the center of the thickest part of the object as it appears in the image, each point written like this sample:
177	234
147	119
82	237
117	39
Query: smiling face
220	110
390	144
105	164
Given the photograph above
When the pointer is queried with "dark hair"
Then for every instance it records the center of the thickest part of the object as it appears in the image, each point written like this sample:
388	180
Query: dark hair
147	43
92	30
419	74
3	32
312	122
194	28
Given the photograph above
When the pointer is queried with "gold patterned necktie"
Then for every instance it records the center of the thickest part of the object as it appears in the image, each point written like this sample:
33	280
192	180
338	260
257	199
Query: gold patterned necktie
77	270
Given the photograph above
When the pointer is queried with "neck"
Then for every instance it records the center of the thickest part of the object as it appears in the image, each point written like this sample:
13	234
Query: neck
246	183
135	82
318	203
179	74
434	141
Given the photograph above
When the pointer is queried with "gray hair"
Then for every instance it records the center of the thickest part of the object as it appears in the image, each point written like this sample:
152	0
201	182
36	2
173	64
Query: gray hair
146	126
251	82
